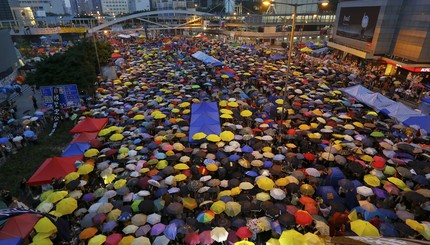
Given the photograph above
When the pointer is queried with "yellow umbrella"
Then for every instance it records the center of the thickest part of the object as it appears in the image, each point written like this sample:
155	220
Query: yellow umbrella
227	136
233	104
226	111
213	138
306	50
180	177
119	184
160	116
226	116
353	215
282	182
292	237
85	169
116	137
189	203
127	240
91	153
279	101
292	179
184	104
224	76
417	226
114	214
56	196
265	183
358	124
307	189
246	113
66	206
45	225
45	195
244	242
312	239
218	207
71	176
199	136
139	117
273	241
366	158
181	166
104	132
97	240
45	241
364	228
232	209
109	178
263	196
399	183
223	103
372	180
224	193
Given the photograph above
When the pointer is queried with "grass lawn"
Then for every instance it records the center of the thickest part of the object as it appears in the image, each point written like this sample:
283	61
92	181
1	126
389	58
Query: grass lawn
26	161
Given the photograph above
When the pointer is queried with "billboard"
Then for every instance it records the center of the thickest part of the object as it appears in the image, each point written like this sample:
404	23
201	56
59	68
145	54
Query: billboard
358	22
68	95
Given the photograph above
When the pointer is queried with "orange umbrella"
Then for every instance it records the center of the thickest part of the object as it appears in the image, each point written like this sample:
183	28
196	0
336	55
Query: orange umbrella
303	218
305	200
88	233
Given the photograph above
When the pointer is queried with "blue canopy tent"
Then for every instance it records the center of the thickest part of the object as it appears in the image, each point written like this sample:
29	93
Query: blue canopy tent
75	149
328	193
333	178
204	118
207	59
277	57
11	241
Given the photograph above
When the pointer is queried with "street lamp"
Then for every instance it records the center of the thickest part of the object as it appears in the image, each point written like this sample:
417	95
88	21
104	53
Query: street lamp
293	26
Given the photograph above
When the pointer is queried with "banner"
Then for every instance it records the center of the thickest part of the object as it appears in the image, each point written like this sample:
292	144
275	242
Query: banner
57	109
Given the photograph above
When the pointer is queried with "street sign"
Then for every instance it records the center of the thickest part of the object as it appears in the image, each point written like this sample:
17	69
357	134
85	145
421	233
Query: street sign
69	95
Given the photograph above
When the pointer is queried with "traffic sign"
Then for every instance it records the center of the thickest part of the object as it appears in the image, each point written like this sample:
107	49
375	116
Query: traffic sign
69	95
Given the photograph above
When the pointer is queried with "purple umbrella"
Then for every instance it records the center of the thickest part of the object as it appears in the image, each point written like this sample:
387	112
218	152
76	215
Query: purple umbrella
143	230
89	197
99	219
380	193
109	226
157	229
403	215
247	149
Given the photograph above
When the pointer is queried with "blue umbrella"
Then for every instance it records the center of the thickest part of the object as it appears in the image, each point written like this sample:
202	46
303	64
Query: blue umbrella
171	231
247	149
388	213
420	179
4	140
109	226
233	157
328	193
160	192
29	134
124	217
346	184
178	222
333	178
75	149
387	229
11	241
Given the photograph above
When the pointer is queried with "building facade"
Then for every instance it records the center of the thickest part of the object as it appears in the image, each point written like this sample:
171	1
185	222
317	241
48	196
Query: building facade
115	7
5	12
393	31
41	7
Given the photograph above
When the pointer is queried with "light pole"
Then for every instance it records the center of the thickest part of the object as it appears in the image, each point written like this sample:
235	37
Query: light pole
290	51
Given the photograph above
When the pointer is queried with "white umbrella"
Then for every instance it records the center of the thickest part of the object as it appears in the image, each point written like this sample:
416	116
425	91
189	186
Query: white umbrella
277	193
130	229
313	172
161	240
17	139
364	191
153	219
219	234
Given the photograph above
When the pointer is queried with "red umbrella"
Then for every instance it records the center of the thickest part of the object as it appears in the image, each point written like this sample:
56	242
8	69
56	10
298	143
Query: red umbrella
391	189
113	239
232	237
19	226
307	200
243	232
205	237
303	218
309	156
192	238
292	209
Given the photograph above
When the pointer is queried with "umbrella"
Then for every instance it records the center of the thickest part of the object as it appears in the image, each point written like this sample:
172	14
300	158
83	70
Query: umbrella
153	218
161	240
364	191
157	229
113	239
205	216
205	237
303	218
243	232
192	238
67	206
218	207
97	240
88	233
171	231
232	209
364	228
265	183
292	237
219	234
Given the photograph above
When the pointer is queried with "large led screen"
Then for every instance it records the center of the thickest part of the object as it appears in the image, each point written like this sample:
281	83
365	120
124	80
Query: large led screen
358	22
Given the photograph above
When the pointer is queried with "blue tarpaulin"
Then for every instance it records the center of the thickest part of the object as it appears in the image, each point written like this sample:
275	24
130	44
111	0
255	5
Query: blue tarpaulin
328	193
207	59
204	118
333	178
11	241
75	149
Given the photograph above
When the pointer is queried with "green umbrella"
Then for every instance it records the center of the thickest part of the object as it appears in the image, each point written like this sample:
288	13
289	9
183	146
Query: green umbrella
377	134
195	86
135	206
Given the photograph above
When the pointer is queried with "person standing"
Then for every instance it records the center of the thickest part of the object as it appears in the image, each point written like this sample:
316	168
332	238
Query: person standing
34	102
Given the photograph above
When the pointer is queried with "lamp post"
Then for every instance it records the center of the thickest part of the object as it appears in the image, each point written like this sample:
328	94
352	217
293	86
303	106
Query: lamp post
290	50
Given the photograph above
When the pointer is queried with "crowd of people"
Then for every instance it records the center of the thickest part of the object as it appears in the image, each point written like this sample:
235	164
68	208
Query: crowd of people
331	167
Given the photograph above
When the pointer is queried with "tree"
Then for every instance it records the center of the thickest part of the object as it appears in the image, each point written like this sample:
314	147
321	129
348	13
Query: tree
78	65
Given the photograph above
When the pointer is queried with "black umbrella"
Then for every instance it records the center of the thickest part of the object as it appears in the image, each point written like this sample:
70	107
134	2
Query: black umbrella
404	229
73	184
287	219
146	206
273	212
132	182
292	188
175	208
337	207
222	222
238	221
414	196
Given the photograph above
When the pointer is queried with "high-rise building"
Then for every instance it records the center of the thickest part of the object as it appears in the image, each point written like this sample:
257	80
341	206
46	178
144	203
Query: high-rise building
393	31
40	8
5	12
115	7
142	5
173	4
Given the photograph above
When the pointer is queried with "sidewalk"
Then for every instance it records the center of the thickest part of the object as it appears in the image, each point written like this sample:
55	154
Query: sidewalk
24	104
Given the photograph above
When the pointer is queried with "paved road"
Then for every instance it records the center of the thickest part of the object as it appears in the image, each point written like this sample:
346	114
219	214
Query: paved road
24	103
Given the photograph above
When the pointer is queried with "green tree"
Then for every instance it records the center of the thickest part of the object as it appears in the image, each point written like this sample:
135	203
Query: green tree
78	65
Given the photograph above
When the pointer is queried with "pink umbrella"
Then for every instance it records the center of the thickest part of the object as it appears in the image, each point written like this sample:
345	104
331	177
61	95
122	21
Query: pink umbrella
232	237
292	209
192	238
167	147
113	239
205	237
391	189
